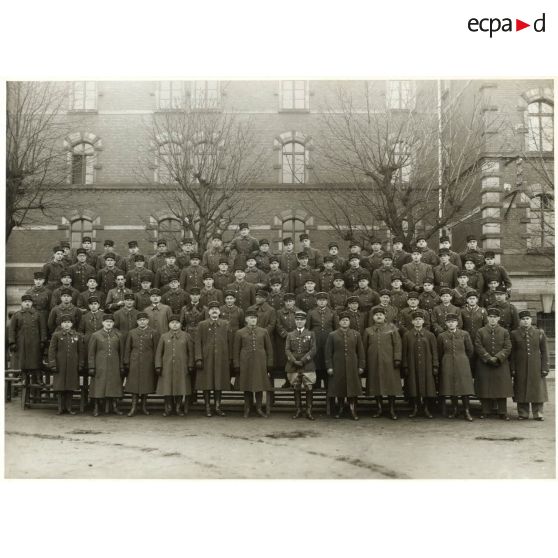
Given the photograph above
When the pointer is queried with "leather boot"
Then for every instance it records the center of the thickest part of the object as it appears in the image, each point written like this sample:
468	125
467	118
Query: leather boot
247	403
69	397
259	399
339	407
426	411
414	407
178	406
443	407
466	411
298	404
309	401
453	412
96	408
392	408
134	405
115	408
59	397
207	401
144	405
168	407
378	412
352	407
218	411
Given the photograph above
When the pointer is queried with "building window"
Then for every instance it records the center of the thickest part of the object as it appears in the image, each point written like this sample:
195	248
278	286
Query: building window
204	167
490	167
83	95
541	225
540	126
294	95
403	159
167	162
293	163
206	95
547	322
170	229
491	212
401	95
293	228
83	164
78	229
490	182
170	95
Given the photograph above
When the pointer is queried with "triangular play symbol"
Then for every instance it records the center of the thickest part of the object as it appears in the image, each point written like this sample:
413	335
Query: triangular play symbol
519	25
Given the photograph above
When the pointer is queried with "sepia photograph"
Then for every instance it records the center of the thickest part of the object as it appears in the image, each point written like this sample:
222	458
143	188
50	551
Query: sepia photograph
280	279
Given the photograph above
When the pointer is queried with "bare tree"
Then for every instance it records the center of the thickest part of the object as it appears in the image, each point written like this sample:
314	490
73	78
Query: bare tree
36	163
409	170
202	160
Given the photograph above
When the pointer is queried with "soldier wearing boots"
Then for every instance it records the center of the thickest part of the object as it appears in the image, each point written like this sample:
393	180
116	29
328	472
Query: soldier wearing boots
174	362
139	363
382	346
345	361
419	364
253	361
66	357
455	351
106	368
300	349
529	367
213	357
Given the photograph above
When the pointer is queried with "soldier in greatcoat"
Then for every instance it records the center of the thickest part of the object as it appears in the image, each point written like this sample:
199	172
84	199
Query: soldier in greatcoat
441	311
90	254
415	272
253	361
91	291
65	307
245	292
40	294
158	314
214	254
81	270
223	276
300	349
27	336
231	312
321	320
461	292
108	246
474	316
174	362
455	351
159	259
474	254
54	268
128	263
135	275
327	275
91	321
126	318
428	255
315	259
139	362
339	263
209	293
299	276
276	297
382	346
382	276
400	256
263	256
405	317
65	284
493	378
358	318
492	271
243	245
354	273
367	297
267	317
306	300
175	297
475	278
166	272
192	275
391	313
345	361
66	357
454	257
375	259
106	276
143	296
254	275
276	274
116	296
419	364
338	295
509	318
106	368
186	251
397	295
529	367
287	259
445	273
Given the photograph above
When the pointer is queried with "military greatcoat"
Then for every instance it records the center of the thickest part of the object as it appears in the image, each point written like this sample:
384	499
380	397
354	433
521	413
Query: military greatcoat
89	324
245	293
175	357
139	357
253	355
529	358
419	359
27	330
106	351
382	345
321	321
234	315
41	300
213	346
159	317
125	320
439	314
267	317
66	356
493	381
344	353
54	318
455	350
473	319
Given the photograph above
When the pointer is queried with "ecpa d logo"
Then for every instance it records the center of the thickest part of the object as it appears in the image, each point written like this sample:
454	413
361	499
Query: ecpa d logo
493	25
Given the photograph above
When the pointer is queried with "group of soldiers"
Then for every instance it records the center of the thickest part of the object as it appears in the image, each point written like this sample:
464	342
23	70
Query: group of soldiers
425	325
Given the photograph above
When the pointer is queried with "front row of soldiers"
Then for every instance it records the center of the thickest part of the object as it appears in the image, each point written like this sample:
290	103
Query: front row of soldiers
175	363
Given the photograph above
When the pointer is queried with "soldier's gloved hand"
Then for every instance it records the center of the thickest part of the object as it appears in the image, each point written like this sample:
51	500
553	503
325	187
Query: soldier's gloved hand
396	363
158	371
544	373
92	372
199	364
13	347
330	371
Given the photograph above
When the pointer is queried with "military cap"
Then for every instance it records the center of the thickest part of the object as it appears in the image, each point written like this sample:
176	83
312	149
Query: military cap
207	275
428	281
378	310
274	259
473	293
384	292
352	299
108	242
287	240
310	280
333	245
66	318
86	239
230	293
500	290
139	258
238	267
170	254
417	314
493	281
489	254
185	241
81	251
217	236
300	315
65	273
129	296
251	257
224	260
445	290
195	256
66	292
26	297
93	299
387	256
174	318
303	236
275	281
92	277
161	242
328	259
250	313
155	292
214	304
471	237
132	244
262	293
451	317
264	241
493	312
445	239
110	255
195	291
421	237
354	257
322	295
64	244
302	255
243	226
142	316
524	314
289	296
412	294
57	248
38	275
462	274
338	275
416	250
108	317
344	314
173	277
468	259
397	239
363	277
145	277
355	243
443	252
396	277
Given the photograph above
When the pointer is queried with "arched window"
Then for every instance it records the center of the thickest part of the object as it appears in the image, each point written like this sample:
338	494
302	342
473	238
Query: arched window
294	163
83	163
78	229
170	229
293	228
540	126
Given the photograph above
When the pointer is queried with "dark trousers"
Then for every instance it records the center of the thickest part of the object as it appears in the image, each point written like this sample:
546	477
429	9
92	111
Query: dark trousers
501	403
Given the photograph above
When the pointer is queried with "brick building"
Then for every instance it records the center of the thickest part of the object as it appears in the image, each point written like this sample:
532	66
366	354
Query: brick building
107	121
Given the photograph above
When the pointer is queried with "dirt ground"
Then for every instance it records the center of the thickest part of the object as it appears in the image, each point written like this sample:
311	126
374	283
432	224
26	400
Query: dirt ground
40	444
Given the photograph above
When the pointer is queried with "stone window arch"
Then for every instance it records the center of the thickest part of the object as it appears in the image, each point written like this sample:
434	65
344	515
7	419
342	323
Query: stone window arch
293	157
82	150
